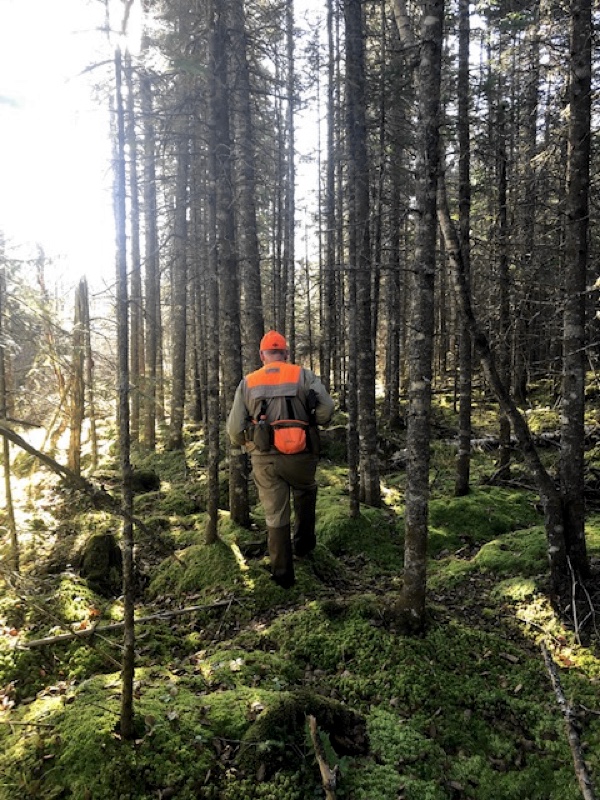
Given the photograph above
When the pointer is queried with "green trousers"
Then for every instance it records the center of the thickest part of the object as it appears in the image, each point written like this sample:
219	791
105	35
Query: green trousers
279	478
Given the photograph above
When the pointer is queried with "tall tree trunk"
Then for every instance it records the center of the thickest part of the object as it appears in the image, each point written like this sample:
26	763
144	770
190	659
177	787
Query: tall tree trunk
503	348
528	261
420	343
89	372
127	674
213	405
290	184
463	461
179	281
15	556
328	335
576	261
137	330
228	262
252	310
359	224
151	265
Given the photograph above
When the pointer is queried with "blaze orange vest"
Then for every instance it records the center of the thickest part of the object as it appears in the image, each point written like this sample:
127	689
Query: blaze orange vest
278	379
280	382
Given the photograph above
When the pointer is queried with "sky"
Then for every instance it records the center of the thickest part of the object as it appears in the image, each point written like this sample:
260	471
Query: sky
55	172
55	181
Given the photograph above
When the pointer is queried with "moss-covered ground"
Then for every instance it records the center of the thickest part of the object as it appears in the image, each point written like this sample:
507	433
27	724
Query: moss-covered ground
222	692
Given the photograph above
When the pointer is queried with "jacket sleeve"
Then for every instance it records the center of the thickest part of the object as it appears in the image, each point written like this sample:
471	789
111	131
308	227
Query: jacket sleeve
325	404
236	422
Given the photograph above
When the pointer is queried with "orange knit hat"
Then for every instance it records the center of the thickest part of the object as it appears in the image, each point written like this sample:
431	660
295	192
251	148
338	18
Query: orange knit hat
273	341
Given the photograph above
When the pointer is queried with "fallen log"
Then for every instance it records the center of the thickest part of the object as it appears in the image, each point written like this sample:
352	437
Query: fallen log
99	496
328	775
581	770
113	626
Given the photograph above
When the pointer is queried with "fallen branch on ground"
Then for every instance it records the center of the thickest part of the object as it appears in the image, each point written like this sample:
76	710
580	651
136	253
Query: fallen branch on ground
328	776
581	770
99	496
64	637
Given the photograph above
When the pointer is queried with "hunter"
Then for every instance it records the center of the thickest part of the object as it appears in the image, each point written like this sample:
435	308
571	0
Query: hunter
275	417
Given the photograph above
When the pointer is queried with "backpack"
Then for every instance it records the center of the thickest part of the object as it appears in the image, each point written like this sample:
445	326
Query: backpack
287	436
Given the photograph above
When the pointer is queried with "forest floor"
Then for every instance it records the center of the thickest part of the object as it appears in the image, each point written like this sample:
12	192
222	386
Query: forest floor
231	668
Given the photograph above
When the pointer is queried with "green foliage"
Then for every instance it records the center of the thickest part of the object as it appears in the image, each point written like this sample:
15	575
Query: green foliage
523	552
484	514
372	534
199	568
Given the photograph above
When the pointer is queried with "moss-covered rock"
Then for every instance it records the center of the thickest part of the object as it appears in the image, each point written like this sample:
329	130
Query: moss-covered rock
281	727
102	564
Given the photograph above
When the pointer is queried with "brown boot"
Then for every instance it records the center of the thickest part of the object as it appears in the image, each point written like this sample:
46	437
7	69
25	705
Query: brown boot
305	539
280	553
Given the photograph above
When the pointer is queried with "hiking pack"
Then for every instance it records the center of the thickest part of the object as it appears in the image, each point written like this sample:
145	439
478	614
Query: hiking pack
288	436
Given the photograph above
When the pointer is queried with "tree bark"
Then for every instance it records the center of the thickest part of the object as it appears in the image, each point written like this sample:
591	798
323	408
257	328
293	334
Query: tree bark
229	294
549	496
127	726
465	367
151	267
420	345
77	393
213	406
503	281
576	261
179	280
360	259
252	307
137	330
15	555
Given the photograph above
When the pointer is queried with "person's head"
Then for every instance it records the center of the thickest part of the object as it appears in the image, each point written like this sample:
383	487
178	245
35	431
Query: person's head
273	347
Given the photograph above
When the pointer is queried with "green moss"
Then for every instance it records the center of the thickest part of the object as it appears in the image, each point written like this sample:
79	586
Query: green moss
169	465
221	695
180	503
371	534
482	515
209	569
523	553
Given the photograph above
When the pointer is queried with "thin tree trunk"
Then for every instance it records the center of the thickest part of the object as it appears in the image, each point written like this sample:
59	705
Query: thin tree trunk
151	265
127	675
503	348
213	409
179	281
15	555
463	461
137	330
360	263
89	372
549	496
576	261
412	604
229	294
77	393
252	309
290	191
328	336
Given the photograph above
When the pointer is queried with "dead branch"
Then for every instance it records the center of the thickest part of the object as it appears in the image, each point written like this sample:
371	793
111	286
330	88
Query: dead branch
328	776
99	496
27	724
64	637
581	770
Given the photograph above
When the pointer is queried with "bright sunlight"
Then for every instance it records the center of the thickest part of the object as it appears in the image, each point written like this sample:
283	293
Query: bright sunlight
55	181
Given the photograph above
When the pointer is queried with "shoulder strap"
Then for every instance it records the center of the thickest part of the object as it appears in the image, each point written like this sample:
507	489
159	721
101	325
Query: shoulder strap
263	408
